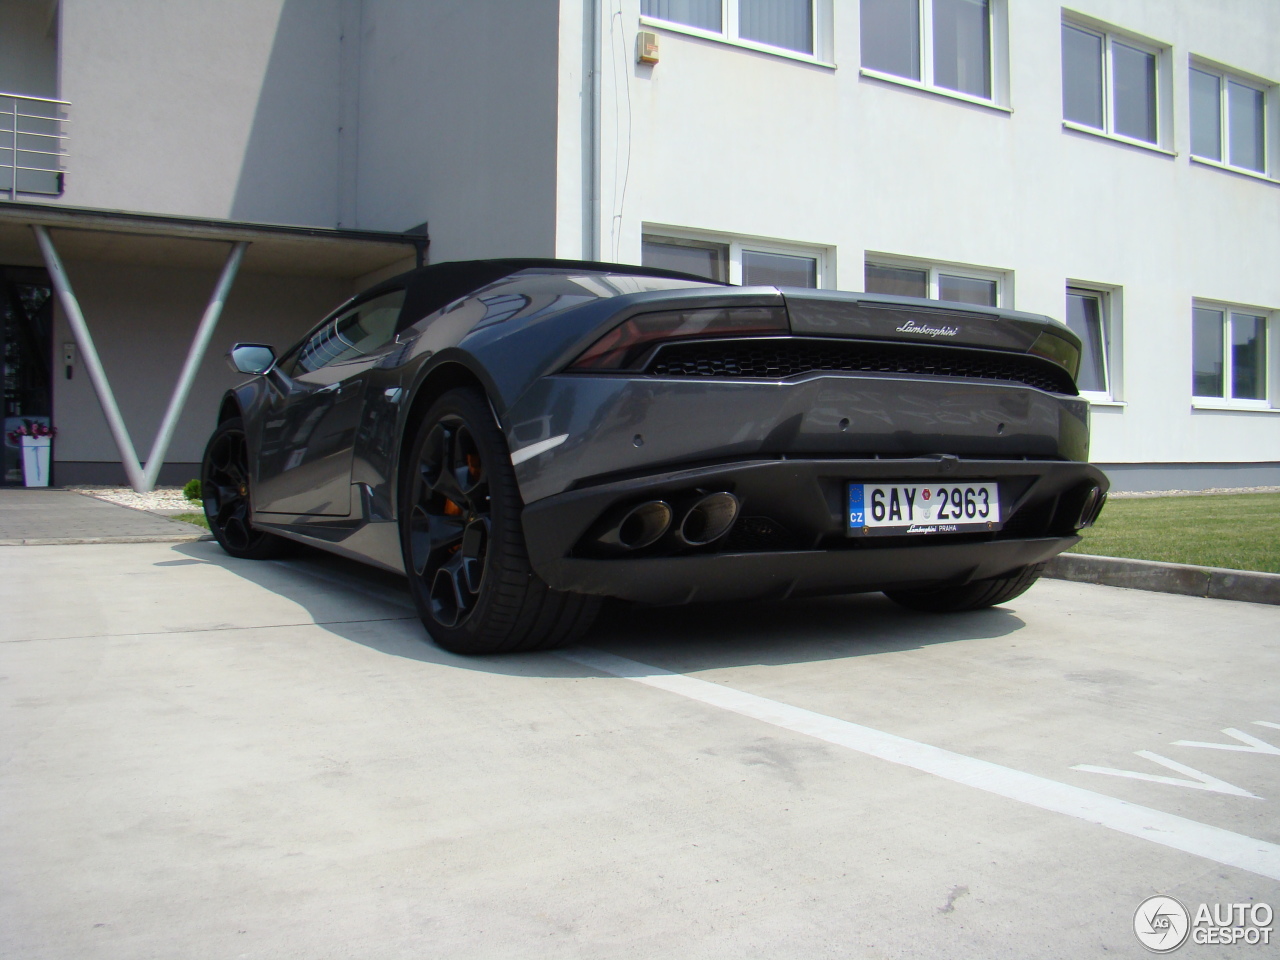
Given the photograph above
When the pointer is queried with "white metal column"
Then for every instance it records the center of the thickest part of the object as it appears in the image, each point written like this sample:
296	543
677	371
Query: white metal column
141	480
199	344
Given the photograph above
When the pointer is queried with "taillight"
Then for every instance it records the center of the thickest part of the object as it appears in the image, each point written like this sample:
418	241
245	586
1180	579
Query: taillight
626	343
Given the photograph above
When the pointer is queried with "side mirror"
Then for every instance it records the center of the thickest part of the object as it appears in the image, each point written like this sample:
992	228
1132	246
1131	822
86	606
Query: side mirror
251	358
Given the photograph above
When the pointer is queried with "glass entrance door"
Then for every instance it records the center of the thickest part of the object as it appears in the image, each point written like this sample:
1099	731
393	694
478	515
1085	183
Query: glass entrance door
26	351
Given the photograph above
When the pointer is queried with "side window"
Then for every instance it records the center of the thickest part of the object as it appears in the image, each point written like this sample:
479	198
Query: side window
354	333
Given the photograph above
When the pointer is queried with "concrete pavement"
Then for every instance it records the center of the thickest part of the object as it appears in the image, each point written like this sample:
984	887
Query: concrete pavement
208	758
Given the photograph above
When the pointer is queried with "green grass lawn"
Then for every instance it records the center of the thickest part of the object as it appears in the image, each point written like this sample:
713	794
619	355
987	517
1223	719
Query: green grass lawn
197	518
1239	531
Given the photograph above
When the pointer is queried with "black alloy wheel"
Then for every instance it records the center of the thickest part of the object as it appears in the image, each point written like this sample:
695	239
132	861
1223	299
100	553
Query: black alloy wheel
224	488
463	544
449	521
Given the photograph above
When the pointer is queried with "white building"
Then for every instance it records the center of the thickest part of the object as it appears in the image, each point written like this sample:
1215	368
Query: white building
1113	164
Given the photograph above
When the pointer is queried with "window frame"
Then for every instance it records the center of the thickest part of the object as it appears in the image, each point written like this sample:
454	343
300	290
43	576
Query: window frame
935	268
1270	96
822	18
1111	304
1271	361
997	69
737	244
1162	53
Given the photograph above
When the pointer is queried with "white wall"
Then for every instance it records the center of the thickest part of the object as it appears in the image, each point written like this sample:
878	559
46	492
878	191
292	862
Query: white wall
729	140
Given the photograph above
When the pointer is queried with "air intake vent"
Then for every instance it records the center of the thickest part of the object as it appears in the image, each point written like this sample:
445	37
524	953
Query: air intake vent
775	358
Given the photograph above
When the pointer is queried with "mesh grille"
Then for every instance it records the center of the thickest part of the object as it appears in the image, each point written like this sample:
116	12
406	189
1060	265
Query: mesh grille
775	358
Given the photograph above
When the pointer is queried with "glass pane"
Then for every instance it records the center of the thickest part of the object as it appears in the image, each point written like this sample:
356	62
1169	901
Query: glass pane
693	13
891	37
1248	357
357	332
1133	73
1245	112
1085	318
1081	77
897	281
967	290
1206	115
710	260
783	23
1206	353
778	270
962	46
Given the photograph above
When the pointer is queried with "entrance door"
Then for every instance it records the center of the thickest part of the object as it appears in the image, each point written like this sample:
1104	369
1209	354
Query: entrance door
26	351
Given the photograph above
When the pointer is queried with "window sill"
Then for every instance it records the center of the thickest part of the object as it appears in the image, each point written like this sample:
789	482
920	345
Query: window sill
1127	141
1258	406
939	91
1219	165
1100	401
701	34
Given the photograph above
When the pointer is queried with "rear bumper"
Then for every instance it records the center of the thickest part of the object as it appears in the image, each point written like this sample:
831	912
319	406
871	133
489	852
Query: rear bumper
601	426
790	537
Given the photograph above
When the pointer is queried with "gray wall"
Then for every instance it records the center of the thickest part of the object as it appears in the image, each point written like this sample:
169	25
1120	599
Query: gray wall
28	48
375	114
457	123
142	319
226	109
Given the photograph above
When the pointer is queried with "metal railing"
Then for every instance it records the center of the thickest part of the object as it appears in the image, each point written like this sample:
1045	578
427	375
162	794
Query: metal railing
32	144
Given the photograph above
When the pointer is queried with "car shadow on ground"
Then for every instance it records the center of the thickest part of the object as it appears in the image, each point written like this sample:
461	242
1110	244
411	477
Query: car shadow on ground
703	636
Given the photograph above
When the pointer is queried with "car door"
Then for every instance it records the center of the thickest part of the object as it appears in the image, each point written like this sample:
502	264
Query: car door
309	426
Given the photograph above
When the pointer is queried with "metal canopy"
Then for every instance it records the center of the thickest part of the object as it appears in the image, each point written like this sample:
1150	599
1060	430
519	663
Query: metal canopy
149	240
113	236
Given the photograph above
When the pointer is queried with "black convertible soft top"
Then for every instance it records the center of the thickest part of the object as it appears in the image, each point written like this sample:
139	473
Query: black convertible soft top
446	282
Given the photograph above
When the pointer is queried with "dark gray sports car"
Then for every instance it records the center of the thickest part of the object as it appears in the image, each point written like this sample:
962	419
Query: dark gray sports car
523	438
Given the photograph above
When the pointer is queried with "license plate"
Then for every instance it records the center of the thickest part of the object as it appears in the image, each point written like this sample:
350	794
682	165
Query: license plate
900	508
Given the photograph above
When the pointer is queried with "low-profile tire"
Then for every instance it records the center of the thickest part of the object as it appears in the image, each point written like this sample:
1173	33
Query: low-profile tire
224	488
463	544
970	596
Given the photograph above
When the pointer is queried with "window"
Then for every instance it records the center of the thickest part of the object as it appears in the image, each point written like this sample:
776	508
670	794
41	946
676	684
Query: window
942	44
760	269
1228	119
1230	355
700	258
355	333
936	282
747	262
1089	318
785	24
1111	83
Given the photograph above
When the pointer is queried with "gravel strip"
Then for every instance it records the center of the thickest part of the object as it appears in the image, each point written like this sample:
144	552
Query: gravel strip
1137	495
167	499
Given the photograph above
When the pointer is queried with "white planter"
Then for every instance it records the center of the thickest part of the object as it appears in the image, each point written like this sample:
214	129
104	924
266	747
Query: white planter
35	461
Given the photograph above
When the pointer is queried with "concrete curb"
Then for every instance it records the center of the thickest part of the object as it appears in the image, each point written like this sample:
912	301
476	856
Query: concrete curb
1182	578
67	541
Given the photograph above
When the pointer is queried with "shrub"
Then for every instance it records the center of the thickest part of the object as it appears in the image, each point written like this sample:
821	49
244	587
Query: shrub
192	491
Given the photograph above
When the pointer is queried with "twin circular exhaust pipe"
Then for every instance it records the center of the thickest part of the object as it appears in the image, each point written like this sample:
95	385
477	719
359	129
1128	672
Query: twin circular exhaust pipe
699	522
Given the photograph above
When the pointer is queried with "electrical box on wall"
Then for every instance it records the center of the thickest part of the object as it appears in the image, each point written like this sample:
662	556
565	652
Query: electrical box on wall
646	47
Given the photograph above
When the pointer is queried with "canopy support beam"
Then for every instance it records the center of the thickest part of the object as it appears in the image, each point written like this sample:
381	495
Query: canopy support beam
142	480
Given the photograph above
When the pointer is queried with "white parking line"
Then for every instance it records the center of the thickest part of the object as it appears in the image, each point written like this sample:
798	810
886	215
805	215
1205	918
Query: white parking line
1189	836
